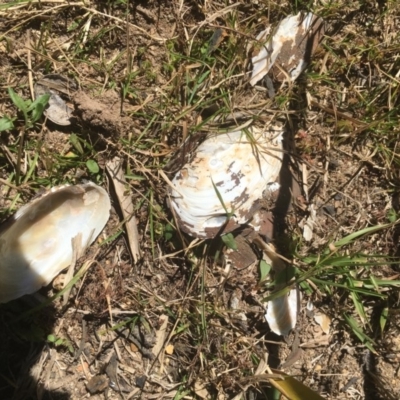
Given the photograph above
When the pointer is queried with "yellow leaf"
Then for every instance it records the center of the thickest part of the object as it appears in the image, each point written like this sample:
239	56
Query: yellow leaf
169	349
294	390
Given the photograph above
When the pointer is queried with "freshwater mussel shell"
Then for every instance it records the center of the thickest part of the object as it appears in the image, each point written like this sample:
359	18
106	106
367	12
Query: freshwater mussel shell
36	242
218	190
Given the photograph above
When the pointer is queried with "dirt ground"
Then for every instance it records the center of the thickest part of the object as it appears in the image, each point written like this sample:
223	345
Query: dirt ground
187	320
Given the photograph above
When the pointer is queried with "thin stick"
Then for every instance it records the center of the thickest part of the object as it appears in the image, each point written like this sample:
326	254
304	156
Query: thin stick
29	57
20	150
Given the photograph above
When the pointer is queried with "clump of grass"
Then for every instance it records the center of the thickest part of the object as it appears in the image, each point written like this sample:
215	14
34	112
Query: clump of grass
337	271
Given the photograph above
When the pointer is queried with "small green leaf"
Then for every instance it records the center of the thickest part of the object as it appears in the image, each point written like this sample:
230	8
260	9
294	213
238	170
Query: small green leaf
37	112
73	26
392	215
51	338
38	106
6	124
42	100
229	241
265	269
383	318
359	306
92	166
76	143
18	101
168	232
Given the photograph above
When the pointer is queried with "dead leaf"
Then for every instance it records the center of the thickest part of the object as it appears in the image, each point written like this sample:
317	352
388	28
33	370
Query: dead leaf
293	389
114	168
134	348
323	321
160	335
200	390
81	368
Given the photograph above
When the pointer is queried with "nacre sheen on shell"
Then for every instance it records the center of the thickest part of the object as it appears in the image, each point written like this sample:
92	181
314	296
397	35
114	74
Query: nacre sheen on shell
36	243
229	173
282	312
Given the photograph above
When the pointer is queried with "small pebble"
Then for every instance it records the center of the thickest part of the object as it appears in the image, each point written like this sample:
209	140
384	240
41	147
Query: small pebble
140	381
333	163
97	384
330	210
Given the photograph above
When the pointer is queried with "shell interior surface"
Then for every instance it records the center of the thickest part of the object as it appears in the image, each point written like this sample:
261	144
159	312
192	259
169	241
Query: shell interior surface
218	190
282	312
288	51
36	243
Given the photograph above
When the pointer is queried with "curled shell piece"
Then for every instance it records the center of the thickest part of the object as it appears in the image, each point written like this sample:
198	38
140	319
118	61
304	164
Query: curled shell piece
282	313
289	49
323	321
59	88
36	243
218	190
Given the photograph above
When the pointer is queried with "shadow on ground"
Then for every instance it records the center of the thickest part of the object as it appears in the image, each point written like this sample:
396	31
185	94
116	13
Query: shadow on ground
22	342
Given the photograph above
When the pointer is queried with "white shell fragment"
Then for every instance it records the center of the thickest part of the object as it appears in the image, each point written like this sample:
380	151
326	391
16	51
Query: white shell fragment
228	175
282	313
309	223
289	49
36	243
59	88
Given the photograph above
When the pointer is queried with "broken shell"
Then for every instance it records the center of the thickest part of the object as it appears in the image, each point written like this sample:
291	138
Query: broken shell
218	190
282	312
57	111
324	322
290	48
36	243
